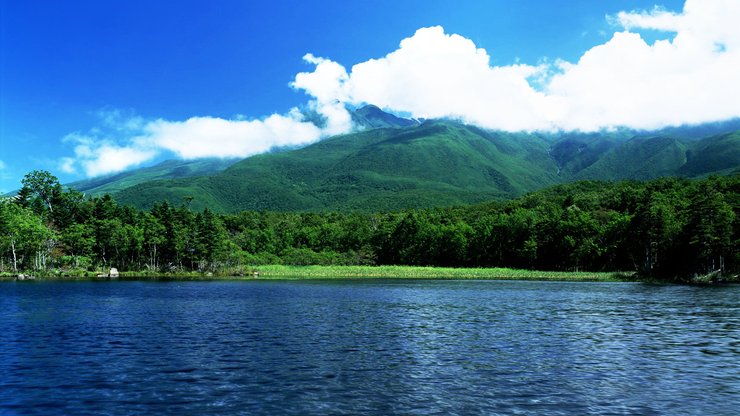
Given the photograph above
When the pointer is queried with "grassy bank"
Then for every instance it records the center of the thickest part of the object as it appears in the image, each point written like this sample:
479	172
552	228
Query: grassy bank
279	272
410	272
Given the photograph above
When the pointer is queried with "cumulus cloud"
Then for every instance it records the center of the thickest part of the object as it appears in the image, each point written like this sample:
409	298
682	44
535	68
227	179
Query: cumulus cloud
98	154
121	143
687	77
434	74
324	84
216	137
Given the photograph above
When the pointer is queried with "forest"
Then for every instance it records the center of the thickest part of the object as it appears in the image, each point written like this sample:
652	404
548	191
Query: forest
670	229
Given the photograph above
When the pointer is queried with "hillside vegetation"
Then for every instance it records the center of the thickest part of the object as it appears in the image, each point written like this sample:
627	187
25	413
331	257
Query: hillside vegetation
666	228
434	164
395	163
169	169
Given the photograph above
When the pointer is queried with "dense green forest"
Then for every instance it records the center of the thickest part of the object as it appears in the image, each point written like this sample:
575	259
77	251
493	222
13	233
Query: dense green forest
666	228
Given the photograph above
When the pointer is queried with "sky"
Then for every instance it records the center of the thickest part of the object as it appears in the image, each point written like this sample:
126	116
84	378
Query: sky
89	88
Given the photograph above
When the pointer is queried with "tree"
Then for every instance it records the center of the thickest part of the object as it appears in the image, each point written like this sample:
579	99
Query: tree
24	235
42	186
453	241
153	237
79	240
210	238
656	226
710	229
70	208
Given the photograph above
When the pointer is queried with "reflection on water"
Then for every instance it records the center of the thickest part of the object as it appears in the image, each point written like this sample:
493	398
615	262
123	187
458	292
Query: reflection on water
369	347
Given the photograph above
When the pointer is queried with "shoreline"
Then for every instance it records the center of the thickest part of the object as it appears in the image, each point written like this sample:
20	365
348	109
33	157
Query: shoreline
280	272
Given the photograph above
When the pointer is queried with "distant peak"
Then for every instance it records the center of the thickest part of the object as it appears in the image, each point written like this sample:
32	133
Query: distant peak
369	107
371	116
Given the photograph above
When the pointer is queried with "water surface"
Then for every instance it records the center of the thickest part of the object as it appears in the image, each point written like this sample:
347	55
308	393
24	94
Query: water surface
369	347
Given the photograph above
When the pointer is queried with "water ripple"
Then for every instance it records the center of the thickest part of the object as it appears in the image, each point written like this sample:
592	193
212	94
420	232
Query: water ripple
369	347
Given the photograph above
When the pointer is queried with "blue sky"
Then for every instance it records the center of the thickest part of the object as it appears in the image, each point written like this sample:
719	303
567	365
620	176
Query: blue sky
85	82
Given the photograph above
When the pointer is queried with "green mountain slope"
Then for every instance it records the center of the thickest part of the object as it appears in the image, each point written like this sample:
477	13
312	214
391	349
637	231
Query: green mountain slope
372	117
717	154
169	169
435	164
616	156
399	163
574	153
368	117
638	158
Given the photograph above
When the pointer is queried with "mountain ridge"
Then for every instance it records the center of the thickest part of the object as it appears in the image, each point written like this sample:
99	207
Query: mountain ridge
395	163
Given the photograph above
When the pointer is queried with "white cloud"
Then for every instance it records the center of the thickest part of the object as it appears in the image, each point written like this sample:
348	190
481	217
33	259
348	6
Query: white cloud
324	84
688	77
108	158
68	165
434	74
99	156
3	165
215	137
122	143
691	78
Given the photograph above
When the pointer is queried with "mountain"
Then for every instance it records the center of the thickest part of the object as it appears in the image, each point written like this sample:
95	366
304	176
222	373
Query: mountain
717	154
698	131
367	117
169	169
609	157
638	158
395	163
372	117
436	163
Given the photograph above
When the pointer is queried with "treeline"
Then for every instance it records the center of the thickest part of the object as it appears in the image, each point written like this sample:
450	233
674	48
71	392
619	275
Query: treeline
667	228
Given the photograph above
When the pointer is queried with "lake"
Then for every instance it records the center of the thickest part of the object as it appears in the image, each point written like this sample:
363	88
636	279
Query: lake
377	347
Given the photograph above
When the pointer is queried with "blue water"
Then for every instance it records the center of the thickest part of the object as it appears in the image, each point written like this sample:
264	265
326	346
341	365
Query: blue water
368	347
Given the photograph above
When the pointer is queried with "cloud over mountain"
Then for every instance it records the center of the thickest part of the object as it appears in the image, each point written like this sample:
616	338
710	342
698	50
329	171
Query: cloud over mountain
434	74
625	82
124	144
687	77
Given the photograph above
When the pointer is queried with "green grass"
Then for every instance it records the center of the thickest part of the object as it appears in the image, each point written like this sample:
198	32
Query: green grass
410	272
279	272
